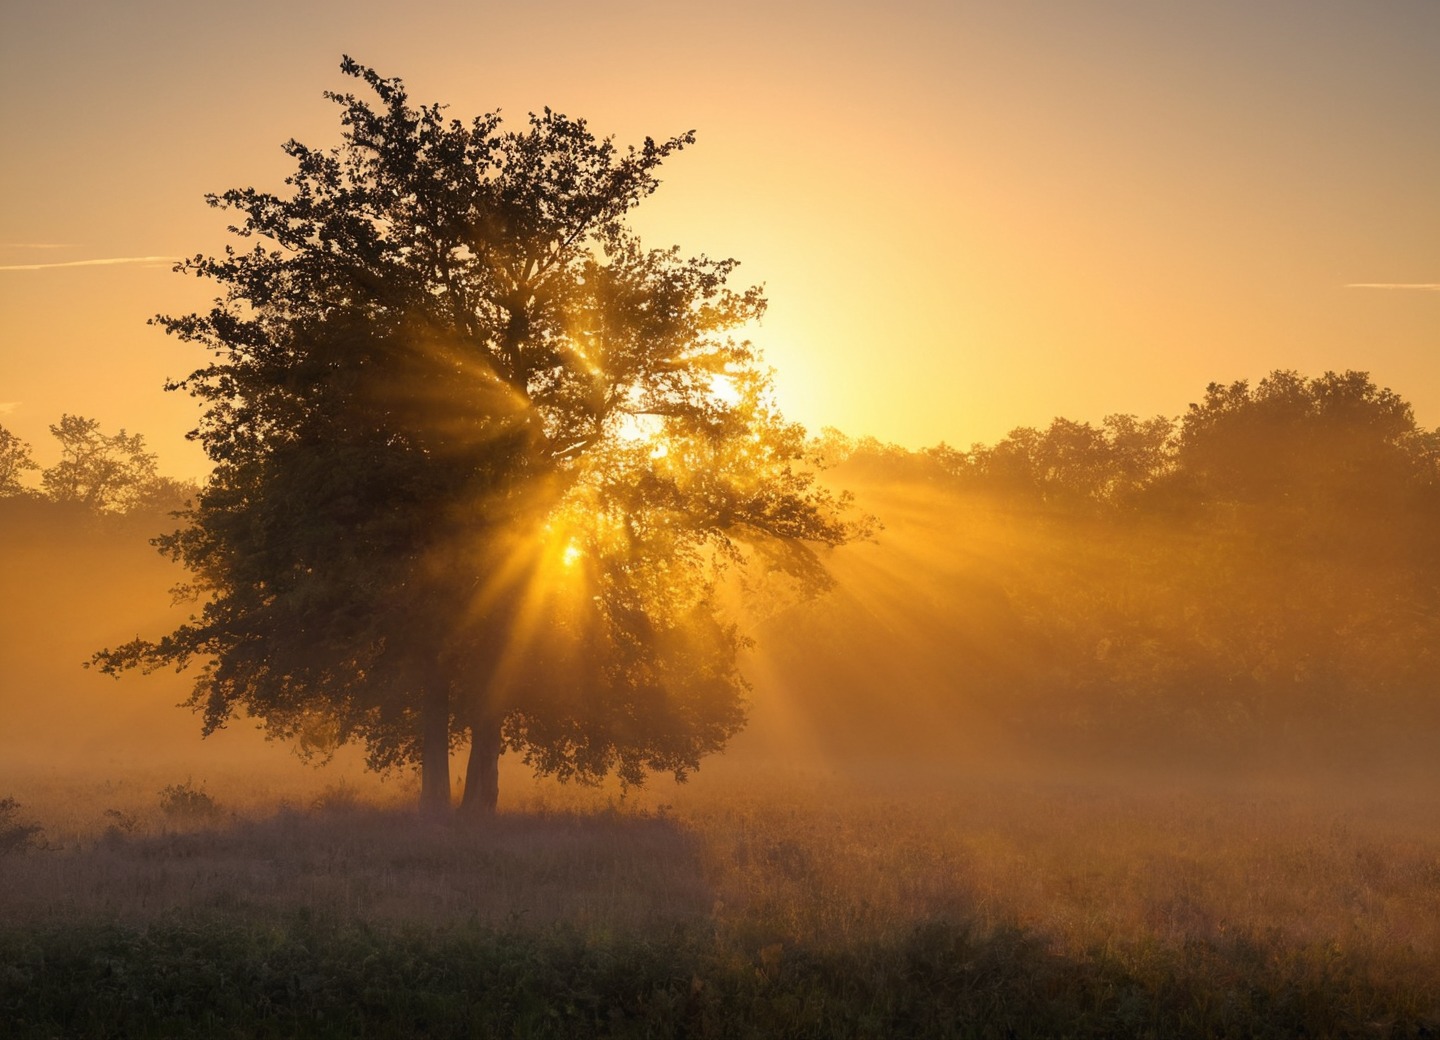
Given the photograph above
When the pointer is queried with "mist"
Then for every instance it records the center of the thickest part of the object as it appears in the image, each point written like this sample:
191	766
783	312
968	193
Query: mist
1138	707
1250	587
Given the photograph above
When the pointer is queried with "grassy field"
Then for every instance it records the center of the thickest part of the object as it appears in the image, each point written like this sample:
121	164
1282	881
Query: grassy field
755	901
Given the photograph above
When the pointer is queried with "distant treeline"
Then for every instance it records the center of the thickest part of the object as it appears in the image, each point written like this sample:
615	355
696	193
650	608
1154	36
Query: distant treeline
1263	571
1334	443
1266	566
98	473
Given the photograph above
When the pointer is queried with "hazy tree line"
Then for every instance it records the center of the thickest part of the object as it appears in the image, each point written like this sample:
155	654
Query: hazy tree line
1266	564
1314	446
1264	567
97	473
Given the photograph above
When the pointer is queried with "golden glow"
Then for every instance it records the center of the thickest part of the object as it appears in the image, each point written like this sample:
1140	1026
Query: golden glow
631	428
724	390
1056	215
571	555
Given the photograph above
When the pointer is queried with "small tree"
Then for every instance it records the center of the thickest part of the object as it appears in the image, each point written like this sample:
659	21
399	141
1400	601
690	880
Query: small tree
15	837
15	459
104	473
480	458
1068	464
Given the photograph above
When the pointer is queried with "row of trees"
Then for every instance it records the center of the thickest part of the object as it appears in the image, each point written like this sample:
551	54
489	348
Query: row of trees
1329	443
97	472
1269	561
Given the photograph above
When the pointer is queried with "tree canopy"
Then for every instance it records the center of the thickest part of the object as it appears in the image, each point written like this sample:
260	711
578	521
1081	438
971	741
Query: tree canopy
15	459
480	457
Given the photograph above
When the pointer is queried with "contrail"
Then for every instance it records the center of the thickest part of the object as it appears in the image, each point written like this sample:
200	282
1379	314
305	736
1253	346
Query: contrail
1423	286
92	263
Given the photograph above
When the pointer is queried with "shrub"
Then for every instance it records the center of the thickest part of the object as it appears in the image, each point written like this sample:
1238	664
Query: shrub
188	802
121	821
121	824
15	837
337	798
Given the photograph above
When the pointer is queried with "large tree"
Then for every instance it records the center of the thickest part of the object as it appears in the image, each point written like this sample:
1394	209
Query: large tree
480	458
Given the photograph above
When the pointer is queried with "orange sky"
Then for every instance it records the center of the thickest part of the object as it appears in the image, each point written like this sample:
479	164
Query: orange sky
968	216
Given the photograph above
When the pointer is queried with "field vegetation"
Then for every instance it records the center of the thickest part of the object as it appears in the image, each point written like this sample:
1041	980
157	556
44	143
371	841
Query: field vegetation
755	901
1113	731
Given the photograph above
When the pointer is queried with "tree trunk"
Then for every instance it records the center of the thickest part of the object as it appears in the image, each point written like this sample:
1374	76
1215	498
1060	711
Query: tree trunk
435	748
482	774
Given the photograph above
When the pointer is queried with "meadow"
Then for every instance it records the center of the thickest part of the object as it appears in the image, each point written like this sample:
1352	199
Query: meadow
757	900
1027	770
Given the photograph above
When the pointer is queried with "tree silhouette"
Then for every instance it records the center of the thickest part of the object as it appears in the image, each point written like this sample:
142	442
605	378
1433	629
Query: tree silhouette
480	458
1334	442
15	459
1069	464
103	473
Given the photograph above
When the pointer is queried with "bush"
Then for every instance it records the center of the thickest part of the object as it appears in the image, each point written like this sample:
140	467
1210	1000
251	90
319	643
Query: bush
188	802
15	837
337	798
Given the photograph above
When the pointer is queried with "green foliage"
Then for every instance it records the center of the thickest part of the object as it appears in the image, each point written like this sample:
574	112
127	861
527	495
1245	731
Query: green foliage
447	368
323	979
15	837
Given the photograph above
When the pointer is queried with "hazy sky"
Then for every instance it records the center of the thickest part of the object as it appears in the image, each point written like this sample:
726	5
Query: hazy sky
968	216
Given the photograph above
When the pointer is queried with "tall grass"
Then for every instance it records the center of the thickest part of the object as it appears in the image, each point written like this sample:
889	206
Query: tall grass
758	902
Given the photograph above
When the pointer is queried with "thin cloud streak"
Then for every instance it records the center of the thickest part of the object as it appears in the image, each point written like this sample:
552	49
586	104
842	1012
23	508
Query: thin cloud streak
6	407
1422	286
106	262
